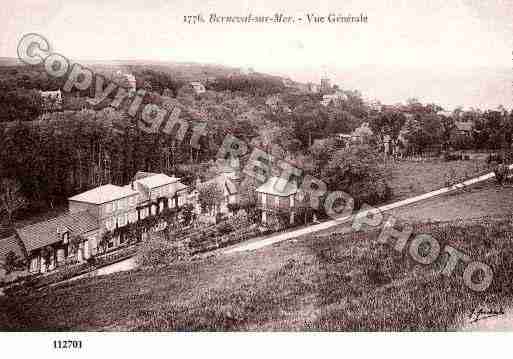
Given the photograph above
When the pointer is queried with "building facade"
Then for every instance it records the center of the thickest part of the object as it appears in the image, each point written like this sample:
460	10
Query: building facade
278	198
76	235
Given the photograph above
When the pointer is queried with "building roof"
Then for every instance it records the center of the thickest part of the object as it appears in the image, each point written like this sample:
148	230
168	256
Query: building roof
224	181
45	233
10	244
278	186
445	113
178	186
103	194
157	180
463	126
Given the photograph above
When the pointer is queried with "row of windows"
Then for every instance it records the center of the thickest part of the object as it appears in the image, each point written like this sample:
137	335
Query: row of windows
121	204
121	220
163	191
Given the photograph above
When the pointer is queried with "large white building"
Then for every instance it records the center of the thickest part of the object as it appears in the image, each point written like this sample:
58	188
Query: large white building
93	213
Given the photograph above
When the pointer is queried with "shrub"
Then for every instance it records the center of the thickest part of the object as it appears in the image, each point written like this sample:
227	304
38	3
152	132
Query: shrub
156	252
225	228
448	156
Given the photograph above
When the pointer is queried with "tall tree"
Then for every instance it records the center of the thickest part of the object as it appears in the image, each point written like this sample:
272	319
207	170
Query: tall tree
11	198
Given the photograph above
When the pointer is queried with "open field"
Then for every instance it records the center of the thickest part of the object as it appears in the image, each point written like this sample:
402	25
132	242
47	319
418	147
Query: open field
413	178
337	282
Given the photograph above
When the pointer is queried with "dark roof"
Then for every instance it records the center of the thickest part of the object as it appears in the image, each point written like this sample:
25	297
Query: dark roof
45	233
10	244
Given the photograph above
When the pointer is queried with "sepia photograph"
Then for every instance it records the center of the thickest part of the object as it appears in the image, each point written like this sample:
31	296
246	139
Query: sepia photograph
268	167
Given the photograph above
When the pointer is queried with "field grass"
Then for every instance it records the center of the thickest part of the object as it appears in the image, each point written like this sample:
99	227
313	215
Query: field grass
412	178
326	282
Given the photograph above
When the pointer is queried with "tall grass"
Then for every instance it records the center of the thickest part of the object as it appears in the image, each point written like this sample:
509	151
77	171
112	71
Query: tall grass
337	283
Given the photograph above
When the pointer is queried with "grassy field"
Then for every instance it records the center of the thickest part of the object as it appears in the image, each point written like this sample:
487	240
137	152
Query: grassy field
320	282
413	178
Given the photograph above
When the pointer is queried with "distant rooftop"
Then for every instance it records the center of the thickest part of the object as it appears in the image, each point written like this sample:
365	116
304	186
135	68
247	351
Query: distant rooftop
103	194
278	186
463	126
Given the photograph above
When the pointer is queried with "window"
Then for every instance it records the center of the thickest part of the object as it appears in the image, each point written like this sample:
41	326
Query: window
108	208
93	245
132	217
161	206
122	220
65	237
153	209
264	199
34	264
292	201
122	204
181	200
131	201
114	206
276	201
109	224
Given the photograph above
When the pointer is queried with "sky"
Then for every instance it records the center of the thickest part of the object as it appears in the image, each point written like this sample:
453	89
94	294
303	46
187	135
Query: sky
450	52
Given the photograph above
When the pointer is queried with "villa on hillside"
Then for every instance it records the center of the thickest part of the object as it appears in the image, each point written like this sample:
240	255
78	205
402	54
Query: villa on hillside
333	98
126	80
278	198
198	87
313	88
463	128
228	181
52	100
46	245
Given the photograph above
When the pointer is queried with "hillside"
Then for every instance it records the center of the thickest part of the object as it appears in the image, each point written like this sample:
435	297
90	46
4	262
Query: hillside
323	282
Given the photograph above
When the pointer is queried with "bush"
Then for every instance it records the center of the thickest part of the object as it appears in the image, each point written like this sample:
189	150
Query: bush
501	173
157	252
448	156
225	228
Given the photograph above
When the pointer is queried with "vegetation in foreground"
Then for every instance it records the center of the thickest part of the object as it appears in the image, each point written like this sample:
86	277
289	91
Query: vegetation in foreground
409	178
334	282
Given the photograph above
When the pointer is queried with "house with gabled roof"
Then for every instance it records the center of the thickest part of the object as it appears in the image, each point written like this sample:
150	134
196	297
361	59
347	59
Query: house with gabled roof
51	100
278	196
198	87
228	181
158	191
47	245
463	128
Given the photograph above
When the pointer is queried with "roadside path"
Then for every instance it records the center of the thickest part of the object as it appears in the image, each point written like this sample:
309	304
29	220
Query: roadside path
256	244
